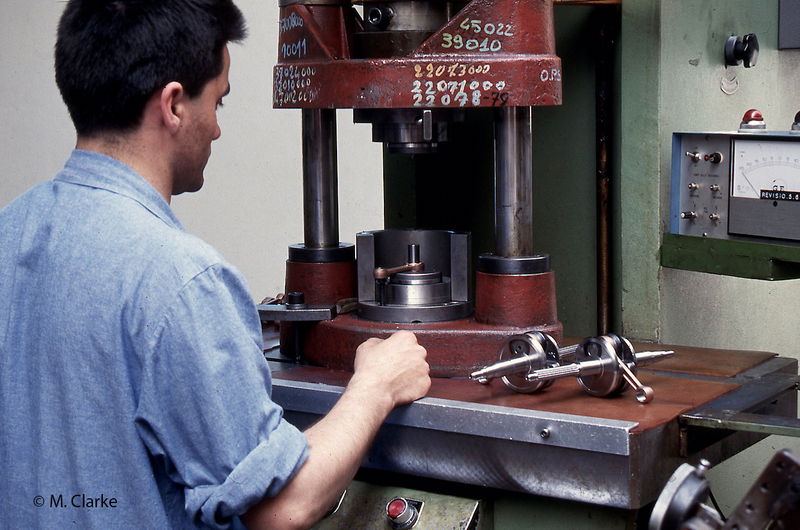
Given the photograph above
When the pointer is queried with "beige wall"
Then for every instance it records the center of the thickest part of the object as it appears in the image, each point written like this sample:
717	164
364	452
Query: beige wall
250	208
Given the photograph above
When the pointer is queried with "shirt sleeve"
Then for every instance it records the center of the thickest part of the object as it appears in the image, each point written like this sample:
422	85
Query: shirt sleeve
205	408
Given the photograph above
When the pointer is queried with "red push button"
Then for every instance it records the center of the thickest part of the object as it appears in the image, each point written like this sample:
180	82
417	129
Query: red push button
403	513
396	508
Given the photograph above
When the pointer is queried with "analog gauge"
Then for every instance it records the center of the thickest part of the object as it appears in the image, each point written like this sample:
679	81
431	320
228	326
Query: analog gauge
766	169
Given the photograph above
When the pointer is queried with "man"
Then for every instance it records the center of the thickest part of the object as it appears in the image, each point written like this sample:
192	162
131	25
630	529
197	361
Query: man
133	392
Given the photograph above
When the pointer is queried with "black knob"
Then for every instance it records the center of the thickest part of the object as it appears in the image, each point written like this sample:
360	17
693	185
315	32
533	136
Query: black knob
740	50
295	300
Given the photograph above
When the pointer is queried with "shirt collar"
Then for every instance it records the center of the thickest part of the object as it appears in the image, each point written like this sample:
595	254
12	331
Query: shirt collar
95	170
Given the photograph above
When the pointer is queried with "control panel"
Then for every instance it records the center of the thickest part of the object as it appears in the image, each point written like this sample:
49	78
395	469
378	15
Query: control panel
700	184
744	183
367	505
741	187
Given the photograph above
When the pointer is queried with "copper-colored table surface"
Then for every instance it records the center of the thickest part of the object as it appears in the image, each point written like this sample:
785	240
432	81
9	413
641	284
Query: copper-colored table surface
673	395
706	361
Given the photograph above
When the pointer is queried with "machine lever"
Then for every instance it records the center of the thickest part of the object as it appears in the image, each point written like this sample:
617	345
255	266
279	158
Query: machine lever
382	273
413	264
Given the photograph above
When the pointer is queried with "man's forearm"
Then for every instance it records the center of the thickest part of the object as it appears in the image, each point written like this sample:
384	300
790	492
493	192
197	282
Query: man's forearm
337	445
387	373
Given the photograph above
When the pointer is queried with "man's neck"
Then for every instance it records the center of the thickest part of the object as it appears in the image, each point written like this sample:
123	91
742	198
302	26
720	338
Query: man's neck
135	154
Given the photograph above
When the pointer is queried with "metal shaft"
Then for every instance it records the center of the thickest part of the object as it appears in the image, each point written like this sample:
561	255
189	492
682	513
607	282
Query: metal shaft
586	368
320	179
648	357
574	370
501	369
513	145
566	354
517	365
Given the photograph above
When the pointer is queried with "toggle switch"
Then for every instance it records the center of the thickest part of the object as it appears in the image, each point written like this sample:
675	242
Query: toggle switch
694	156
796	124
688	215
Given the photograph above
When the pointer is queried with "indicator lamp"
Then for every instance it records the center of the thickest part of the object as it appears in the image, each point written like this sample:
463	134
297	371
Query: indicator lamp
753	121
796	124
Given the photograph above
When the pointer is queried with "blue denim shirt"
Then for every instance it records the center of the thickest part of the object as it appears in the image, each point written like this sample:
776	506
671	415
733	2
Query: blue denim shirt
130	365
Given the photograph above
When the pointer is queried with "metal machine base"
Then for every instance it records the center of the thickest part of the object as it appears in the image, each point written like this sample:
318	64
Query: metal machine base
561	443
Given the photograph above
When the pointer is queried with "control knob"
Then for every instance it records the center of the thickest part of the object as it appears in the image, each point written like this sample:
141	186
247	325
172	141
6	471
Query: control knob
740	50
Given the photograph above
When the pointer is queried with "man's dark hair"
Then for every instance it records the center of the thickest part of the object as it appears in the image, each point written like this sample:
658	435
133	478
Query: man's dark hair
112	55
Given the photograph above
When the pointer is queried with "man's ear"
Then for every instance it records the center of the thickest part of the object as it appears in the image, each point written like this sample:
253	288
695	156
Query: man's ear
172	105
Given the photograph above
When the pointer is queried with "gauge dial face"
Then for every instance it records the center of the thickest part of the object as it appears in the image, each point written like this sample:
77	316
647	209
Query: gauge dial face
766	169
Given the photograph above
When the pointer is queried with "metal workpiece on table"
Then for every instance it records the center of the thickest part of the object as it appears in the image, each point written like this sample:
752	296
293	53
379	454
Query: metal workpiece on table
609	363
519	356
603	365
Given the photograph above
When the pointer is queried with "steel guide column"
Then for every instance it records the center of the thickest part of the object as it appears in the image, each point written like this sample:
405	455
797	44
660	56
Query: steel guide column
513	131
320	179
